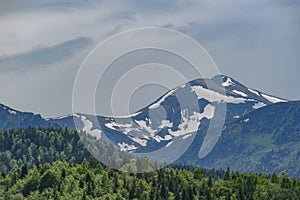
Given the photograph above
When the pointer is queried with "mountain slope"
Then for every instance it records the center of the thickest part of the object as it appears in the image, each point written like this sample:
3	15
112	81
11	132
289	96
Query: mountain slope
265	140
181	111
10	118
183	115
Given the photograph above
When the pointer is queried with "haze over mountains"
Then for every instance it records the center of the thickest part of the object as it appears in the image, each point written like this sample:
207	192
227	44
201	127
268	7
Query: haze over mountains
260	132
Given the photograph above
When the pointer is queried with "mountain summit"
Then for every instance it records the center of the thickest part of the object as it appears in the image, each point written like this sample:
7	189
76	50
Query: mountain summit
256	126
236	88
178	113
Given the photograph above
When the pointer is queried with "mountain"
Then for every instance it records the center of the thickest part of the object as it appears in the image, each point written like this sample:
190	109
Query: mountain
11	118
265	140
185	123
181	111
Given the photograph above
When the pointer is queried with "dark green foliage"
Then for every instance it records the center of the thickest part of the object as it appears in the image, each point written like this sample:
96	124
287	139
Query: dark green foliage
274	178
198	173
62	180
227	175
24	171
37	173
32	146
26	148
49	180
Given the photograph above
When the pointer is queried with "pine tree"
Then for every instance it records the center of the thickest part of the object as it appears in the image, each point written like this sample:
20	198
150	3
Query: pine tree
227	175
198	174
24	171
274	178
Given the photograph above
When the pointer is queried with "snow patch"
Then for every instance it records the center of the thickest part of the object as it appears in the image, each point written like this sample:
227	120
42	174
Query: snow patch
159	138
191	123
212	96
186	136
246	120
64	116
157	104
144	126
169	143
240	93
139	141
12	112
273	99
228	82
166	123
253	91
126	147
111	125
258	105
173	110
127	116
124	128
87	127
76	115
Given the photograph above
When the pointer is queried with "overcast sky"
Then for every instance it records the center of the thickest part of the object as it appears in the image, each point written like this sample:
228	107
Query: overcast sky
43	43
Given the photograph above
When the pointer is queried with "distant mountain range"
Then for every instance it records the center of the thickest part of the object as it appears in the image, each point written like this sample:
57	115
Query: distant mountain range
261	132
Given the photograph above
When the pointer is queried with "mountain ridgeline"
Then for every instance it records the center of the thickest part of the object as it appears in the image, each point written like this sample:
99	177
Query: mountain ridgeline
260	133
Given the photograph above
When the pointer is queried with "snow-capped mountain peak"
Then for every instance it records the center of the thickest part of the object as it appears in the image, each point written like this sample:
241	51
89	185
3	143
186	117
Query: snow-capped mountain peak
148	130
234	87
181	112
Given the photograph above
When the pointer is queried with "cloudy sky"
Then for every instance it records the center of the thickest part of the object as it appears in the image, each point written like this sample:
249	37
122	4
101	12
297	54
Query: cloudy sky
43	43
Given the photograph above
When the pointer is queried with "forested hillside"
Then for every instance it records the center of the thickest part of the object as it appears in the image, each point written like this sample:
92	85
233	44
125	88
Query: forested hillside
91	180
265	140
53	164
34	146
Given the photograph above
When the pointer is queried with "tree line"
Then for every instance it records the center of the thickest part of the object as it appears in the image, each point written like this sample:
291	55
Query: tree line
50	163
91	180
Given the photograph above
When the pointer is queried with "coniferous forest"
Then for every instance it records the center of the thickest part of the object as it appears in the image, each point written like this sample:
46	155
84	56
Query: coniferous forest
40	163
